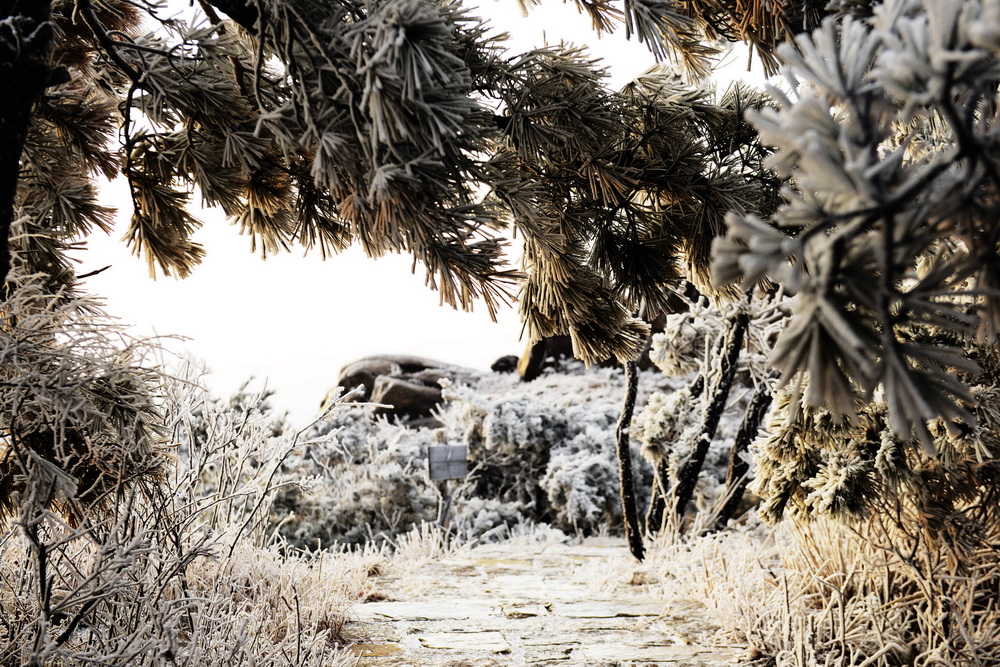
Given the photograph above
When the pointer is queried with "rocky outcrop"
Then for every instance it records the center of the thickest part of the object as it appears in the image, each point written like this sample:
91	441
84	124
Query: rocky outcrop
405	397
405	387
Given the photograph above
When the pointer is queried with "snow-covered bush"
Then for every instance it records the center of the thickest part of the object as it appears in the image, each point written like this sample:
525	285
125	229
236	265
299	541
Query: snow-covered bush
476	519
684	342
79	427
547	446
140	510
356	480
668	426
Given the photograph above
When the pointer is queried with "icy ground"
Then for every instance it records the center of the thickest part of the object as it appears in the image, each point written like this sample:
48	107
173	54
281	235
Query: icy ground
533	604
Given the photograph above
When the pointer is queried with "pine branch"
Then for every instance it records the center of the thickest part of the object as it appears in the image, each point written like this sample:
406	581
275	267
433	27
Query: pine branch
243	12
109	45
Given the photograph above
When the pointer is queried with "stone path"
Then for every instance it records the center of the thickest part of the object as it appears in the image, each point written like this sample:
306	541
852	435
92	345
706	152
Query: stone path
533	604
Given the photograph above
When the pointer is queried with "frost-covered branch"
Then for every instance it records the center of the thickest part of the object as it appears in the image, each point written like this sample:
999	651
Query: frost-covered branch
887	235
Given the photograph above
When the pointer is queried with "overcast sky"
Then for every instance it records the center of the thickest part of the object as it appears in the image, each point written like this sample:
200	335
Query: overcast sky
297	320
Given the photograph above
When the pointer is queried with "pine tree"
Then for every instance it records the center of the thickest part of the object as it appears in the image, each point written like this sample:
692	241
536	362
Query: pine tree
401	125
888	238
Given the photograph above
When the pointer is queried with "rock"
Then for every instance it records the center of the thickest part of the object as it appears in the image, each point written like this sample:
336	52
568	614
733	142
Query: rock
493	642
432	376
408	397
680	656
607	609
410	364
363	372
411	611
505	364
524	610
374	650
410	385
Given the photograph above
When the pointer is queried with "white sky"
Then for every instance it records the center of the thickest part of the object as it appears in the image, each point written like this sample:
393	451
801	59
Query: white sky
297	320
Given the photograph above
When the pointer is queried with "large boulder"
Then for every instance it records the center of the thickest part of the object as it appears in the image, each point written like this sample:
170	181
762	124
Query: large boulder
505	364
405	397
408	387
363	373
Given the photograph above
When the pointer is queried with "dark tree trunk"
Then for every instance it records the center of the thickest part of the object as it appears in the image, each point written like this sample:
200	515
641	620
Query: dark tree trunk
632	534
687	478
661	480
658	498
736	475
26	39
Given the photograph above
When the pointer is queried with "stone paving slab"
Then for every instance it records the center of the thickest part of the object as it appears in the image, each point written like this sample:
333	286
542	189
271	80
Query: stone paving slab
424	610
660	655
492	642
525	609
536	605
608	609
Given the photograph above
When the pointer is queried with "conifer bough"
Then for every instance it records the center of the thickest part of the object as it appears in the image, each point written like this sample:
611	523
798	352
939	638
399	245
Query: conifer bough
399	125
888	236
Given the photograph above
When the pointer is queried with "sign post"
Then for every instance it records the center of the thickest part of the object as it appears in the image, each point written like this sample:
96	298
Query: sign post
445	462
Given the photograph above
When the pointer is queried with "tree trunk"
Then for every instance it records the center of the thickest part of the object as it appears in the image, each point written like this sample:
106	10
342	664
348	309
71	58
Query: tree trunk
26	39
688	475
627	486
661	480
736	475
658	499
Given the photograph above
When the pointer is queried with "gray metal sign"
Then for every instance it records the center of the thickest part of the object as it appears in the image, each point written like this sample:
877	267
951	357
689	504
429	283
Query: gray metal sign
447	461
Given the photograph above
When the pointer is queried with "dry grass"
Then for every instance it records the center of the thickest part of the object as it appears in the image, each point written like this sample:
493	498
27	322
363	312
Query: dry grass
136	603
836	595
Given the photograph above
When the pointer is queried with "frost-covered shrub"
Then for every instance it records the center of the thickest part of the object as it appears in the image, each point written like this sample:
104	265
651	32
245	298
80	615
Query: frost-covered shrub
79	426
486	519
356	480
581	487
682	345
668	425
547	446
181	569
